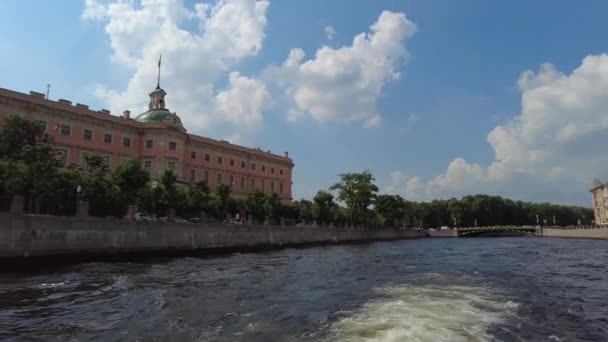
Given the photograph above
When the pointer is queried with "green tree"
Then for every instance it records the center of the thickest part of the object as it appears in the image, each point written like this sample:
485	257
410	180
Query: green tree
273	207
130	180
171	196
358	191
323	204
198	198
223	200
390	208
255	203
306	210
28	160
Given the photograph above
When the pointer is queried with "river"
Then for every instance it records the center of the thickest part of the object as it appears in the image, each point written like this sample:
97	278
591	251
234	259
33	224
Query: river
477	289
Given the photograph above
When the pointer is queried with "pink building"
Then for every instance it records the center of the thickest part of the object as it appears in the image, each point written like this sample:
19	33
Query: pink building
157	139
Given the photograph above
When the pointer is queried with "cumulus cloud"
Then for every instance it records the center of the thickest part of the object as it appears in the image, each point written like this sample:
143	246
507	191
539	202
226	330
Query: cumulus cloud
554	147
344	84
200	46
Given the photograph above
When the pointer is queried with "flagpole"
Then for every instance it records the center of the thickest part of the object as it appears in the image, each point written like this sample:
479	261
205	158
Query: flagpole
158	79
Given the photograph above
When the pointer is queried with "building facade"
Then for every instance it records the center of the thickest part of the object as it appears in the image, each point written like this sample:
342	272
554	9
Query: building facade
599	193
157	139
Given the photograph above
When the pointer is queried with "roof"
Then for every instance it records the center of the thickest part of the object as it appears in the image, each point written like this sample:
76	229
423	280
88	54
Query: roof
155	115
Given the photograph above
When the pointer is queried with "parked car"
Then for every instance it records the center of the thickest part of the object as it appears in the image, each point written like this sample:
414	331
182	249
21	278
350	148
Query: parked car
143	217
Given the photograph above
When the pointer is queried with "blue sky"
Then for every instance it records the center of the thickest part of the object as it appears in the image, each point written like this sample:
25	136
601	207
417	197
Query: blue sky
452	123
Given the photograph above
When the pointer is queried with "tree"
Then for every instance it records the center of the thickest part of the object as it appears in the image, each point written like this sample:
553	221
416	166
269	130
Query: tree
255	204
130	180
222	200
170	192
28	158
358	191
198	198
323	204
390	208
273	207
306	210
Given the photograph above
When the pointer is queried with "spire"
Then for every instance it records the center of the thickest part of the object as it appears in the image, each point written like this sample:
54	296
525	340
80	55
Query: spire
158	79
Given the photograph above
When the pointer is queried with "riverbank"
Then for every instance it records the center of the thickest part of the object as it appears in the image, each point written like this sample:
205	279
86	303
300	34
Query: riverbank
576	233
32	236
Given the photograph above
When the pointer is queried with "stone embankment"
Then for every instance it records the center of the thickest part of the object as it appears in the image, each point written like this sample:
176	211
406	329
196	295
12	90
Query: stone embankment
576	232
24	236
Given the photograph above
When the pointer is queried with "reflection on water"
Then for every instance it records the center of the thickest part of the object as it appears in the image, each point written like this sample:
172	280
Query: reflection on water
511	289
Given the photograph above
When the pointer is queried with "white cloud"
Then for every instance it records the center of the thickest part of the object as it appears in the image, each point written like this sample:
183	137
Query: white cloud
243	102
200	46
344	84
330	32
553	148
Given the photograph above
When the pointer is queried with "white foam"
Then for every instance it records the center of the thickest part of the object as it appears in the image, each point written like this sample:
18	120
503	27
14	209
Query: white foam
425	313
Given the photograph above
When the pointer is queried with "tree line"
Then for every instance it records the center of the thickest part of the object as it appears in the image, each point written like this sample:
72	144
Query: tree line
30	166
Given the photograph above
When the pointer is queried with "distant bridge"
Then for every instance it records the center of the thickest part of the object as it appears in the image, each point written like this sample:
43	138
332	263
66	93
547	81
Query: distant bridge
475	231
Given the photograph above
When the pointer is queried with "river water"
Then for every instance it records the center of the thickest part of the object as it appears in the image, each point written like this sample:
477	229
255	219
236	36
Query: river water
477	289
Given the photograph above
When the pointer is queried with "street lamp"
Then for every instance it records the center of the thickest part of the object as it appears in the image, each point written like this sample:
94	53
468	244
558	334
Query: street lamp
78	190
154	186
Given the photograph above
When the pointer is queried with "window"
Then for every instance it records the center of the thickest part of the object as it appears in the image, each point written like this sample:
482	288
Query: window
172	146
207	158
272	187
281	172
65	130
41	124
62	156
243	164
206	177
231	162
106	159
219	178
262	186
126	142
149	143
191	175
263	168
231	181
220	160
281	187
272	170
192	155
87	134
253	166
171	166
242	183
148	166
107	138
252	183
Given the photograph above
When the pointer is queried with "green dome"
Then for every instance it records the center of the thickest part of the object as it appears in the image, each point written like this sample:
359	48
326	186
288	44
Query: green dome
155	115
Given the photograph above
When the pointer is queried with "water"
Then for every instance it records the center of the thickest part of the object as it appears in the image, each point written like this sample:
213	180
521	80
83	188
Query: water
483	289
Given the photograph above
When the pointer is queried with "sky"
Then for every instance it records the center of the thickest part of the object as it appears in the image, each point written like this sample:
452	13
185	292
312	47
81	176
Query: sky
435	98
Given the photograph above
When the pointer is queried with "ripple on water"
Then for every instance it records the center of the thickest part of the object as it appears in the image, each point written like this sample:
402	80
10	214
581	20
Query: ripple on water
425	313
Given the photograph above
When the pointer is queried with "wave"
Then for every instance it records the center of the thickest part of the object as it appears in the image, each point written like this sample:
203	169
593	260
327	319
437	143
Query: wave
425	313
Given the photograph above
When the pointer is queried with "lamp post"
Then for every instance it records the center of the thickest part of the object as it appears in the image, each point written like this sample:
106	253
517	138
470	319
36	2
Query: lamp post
78	190
154	186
